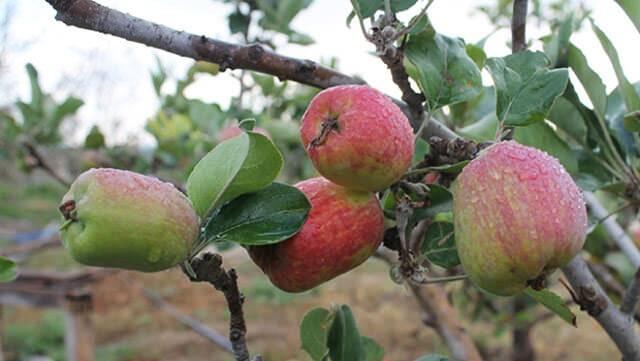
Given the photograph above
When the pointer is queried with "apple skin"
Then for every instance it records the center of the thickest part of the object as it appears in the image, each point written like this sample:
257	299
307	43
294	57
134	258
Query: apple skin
357	137
518	215
234	130
123	219
343	229
634	231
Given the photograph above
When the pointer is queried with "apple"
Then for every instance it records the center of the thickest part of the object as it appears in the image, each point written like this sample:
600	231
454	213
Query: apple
121	219
357	137
518	216
343	229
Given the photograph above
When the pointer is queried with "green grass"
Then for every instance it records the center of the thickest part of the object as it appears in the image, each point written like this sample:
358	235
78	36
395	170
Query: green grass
45	337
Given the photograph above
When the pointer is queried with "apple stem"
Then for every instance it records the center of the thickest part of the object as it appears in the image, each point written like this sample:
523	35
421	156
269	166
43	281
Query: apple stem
66	224
328	125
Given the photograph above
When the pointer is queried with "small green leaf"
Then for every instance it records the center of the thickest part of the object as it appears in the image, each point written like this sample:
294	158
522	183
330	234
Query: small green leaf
568	118
8	270
242	164
368	7
525	87
631	98
440	201
476	53
439	245
238	22
433	357
344	340
556	46
372	350
632	8
442	68
300	39
267	216
95	139
247	124
313	333
632	121
454	168
590	80
36	92
554	303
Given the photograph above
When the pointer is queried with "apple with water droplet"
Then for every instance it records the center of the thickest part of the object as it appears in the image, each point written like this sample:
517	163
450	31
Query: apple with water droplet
518	216
357	137
343	229
121	219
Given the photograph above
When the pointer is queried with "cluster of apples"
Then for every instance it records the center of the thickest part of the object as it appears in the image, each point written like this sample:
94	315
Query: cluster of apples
355	136
360	142
518	215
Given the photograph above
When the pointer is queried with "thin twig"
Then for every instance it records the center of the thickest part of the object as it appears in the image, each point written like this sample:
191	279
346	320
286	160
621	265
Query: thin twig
208	268
41	163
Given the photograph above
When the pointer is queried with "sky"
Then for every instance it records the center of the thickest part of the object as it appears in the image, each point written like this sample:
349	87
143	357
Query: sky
112	75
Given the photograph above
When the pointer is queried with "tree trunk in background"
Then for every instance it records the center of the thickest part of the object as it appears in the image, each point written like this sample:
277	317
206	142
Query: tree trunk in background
522	346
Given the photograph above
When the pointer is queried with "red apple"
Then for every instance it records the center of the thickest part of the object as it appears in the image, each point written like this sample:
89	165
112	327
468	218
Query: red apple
343	229
357	137
518	216
634	231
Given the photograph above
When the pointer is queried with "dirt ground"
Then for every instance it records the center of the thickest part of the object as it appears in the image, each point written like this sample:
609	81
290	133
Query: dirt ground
127	323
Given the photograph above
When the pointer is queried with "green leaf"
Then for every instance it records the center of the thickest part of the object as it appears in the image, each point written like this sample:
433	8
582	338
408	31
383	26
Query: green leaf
450	168
433	357
631	98
36	92
439	245
525	87
632	8
615	117
266	83
372	350
590	80
344	340
632	121
421	148
554	303
476	53
267	216
300	38
542	136
8	270
565	115
368	7
442	68
67	108
242	164
313	333
206	117
238	22
95	139
481	131
557	45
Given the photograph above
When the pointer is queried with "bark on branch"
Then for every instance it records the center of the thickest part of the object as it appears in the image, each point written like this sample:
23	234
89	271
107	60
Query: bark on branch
595	301
208	268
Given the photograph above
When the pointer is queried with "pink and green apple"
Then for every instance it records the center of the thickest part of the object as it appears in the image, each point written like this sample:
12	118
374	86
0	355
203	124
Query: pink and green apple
121	219
518	216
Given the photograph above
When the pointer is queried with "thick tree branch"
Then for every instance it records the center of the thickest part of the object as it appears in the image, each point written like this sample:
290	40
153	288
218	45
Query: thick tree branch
208	268
519	25
90	15
594	300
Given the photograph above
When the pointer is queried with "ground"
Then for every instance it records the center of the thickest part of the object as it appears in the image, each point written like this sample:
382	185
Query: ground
129	327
